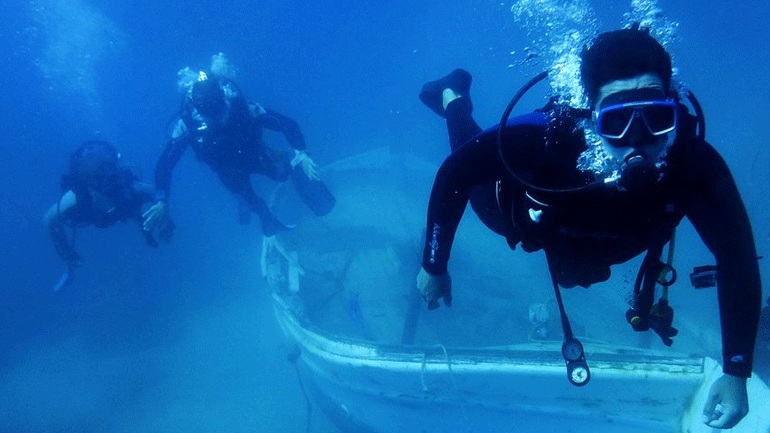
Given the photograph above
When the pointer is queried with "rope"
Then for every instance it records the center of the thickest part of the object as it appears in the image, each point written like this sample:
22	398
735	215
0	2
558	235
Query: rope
453	381
308	405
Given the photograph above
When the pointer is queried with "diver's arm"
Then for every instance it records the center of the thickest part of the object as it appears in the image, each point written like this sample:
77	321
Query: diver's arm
278	122
717	212
169	157
476	162
157	216
54	220
145	191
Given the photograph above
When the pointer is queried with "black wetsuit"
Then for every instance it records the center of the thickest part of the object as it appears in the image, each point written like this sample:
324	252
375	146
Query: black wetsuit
234	151
91	209
587	231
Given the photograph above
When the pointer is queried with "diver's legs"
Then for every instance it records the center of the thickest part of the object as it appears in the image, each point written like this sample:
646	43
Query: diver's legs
239	183
460	124
450	97
432	93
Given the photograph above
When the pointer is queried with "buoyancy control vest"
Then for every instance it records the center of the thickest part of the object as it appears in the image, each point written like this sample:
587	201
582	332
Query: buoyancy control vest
218	135
102	185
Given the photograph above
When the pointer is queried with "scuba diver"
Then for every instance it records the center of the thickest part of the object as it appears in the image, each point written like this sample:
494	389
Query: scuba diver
225	132
545	323
99	191
525	180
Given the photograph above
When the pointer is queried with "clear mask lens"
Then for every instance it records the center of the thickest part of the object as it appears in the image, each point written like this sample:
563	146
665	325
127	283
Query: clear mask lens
614	122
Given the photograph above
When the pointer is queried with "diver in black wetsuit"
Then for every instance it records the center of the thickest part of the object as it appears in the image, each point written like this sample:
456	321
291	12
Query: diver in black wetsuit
530	189
225	131
99	191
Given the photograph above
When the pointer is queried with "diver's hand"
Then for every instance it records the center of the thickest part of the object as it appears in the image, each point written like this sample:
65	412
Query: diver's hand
310	168
434	287
154	215
727	403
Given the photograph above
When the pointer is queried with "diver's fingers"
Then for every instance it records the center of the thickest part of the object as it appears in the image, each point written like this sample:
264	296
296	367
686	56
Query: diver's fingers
311	174
155	211
310	168
314	172
712	409
719	420
149	221
153	216
725	417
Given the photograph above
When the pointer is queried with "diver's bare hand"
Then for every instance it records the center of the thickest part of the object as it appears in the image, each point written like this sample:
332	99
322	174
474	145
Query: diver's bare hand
154	215
727	403
310	168
434	287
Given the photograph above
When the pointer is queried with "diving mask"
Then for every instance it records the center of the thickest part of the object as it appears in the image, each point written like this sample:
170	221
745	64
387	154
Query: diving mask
614	121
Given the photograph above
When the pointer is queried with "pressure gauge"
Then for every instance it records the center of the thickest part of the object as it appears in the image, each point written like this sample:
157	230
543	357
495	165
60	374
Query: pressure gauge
572	350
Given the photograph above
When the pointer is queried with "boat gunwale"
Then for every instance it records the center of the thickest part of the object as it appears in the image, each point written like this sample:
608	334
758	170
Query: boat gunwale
529	356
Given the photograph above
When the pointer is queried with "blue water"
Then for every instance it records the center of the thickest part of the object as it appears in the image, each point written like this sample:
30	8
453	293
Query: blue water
182	338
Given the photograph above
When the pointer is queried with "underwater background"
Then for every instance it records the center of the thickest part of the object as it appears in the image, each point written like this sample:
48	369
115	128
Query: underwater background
183	338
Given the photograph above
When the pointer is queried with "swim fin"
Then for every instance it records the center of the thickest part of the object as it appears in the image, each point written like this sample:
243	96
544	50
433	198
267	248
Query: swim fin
432	92
314	193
